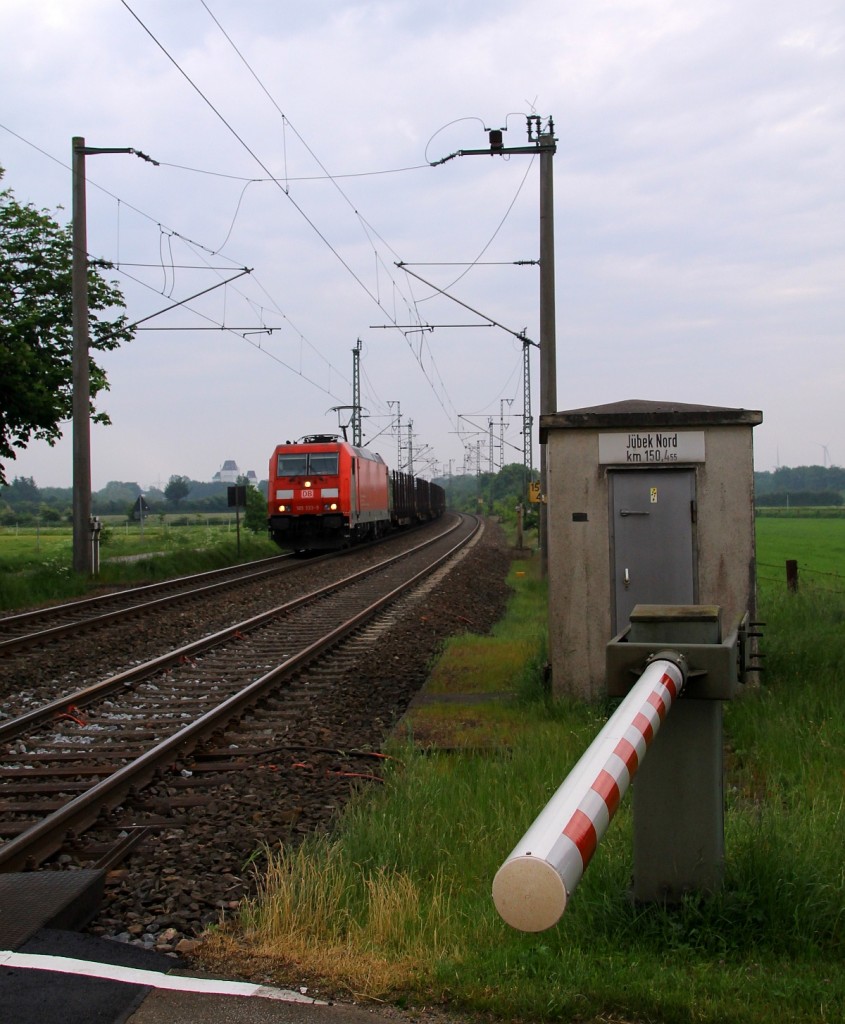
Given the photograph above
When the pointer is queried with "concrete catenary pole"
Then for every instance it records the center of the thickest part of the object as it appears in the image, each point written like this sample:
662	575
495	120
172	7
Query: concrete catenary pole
548	343
80	368
81	418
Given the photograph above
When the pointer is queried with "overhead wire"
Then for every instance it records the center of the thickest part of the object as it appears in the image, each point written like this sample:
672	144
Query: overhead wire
244	337
260	309
412	306
368	229
297	178
376	297
248	149
492	238
111	195
198	247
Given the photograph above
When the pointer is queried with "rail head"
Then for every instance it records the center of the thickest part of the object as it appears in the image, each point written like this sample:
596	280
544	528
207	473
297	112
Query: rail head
42	839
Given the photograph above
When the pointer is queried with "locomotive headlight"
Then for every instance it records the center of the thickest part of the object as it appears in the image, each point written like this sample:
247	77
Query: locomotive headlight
333	506
282	508
307	483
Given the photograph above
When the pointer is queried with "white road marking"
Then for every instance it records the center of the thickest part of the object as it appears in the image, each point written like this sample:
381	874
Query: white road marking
152	979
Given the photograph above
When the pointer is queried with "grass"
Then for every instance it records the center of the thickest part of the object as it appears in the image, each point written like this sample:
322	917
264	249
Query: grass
35	565
395	905
818	545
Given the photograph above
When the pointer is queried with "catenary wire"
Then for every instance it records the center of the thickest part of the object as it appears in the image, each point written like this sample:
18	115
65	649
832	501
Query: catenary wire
198	247
376	297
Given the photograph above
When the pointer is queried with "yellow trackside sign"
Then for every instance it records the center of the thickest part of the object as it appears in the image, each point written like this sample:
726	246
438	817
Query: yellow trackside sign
534	491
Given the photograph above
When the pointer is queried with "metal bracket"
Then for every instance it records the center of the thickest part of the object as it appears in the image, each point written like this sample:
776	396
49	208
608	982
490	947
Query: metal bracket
714	670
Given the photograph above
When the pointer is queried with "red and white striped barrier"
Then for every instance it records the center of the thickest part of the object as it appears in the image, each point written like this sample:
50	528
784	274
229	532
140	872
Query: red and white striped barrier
532	887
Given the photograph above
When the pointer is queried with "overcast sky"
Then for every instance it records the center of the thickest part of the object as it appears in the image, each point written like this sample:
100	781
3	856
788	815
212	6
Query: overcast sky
699	214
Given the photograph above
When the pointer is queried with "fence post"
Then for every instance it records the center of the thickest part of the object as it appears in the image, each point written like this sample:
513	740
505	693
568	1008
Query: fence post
792	574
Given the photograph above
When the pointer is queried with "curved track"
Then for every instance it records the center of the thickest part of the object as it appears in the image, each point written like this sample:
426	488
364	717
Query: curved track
33	628
69	761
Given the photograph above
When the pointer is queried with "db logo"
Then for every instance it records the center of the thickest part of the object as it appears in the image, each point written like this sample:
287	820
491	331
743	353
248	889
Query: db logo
307	494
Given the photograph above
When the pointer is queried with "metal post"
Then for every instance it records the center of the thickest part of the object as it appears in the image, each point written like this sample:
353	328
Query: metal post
527	418
678	805
502	429
532	888
80	369
398	434
357	433
96	527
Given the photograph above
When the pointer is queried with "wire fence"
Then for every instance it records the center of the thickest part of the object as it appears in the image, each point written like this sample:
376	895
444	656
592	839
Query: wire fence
831	582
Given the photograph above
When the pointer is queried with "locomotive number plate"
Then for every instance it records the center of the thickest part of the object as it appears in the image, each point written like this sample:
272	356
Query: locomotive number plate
307	494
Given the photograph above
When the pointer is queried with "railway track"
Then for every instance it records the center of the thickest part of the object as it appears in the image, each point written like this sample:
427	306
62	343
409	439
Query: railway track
71	762
60	656
34	628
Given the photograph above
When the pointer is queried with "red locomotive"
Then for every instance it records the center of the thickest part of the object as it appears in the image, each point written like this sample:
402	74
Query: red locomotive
323	493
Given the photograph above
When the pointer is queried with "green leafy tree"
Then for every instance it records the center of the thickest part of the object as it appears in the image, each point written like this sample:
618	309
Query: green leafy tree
114	497
22	489
255	518
49	514
178	487
36	335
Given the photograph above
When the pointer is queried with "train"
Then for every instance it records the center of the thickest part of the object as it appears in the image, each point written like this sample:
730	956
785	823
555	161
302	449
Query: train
325	494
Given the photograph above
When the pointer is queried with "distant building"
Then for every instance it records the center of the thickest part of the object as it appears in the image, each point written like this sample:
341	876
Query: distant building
230	474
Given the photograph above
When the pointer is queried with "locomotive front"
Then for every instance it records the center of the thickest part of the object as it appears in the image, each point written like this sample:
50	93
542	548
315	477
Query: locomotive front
306	507
324	494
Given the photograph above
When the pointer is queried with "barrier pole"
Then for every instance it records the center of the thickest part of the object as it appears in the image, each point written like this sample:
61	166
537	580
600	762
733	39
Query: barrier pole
532	887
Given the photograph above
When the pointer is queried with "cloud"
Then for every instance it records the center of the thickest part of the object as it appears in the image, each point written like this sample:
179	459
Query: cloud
698	194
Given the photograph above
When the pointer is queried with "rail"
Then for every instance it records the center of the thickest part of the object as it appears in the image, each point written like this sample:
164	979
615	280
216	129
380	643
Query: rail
39	840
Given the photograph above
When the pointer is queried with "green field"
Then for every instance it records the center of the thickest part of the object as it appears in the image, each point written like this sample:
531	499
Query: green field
818	545
35	563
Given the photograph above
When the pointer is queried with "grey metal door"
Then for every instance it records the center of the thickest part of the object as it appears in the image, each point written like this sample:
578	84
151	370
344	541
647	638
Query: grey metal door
652	540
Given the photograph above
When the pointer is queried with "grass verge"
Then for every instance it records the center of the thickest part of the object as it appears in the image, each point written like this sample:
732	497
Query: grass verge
396	904
34	574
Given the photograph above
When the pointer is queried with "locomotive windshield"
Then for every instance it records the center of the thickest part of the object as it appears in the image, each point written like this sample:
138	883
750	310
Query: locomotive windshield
322	463
307	464
292	465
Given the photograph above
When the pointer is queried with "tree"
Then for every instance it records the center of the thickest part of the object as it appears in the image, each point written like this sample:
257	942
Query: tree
22	489
114	497
49	514
255	518
178	487
36	335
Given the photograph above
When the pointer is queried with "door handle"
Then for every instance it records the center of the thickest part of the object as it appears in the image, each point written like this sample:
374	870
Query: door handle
627	580
632	512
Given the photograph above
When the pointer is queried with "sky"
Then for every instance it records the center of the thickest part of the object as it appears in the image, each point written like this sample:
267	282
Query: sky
699	216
